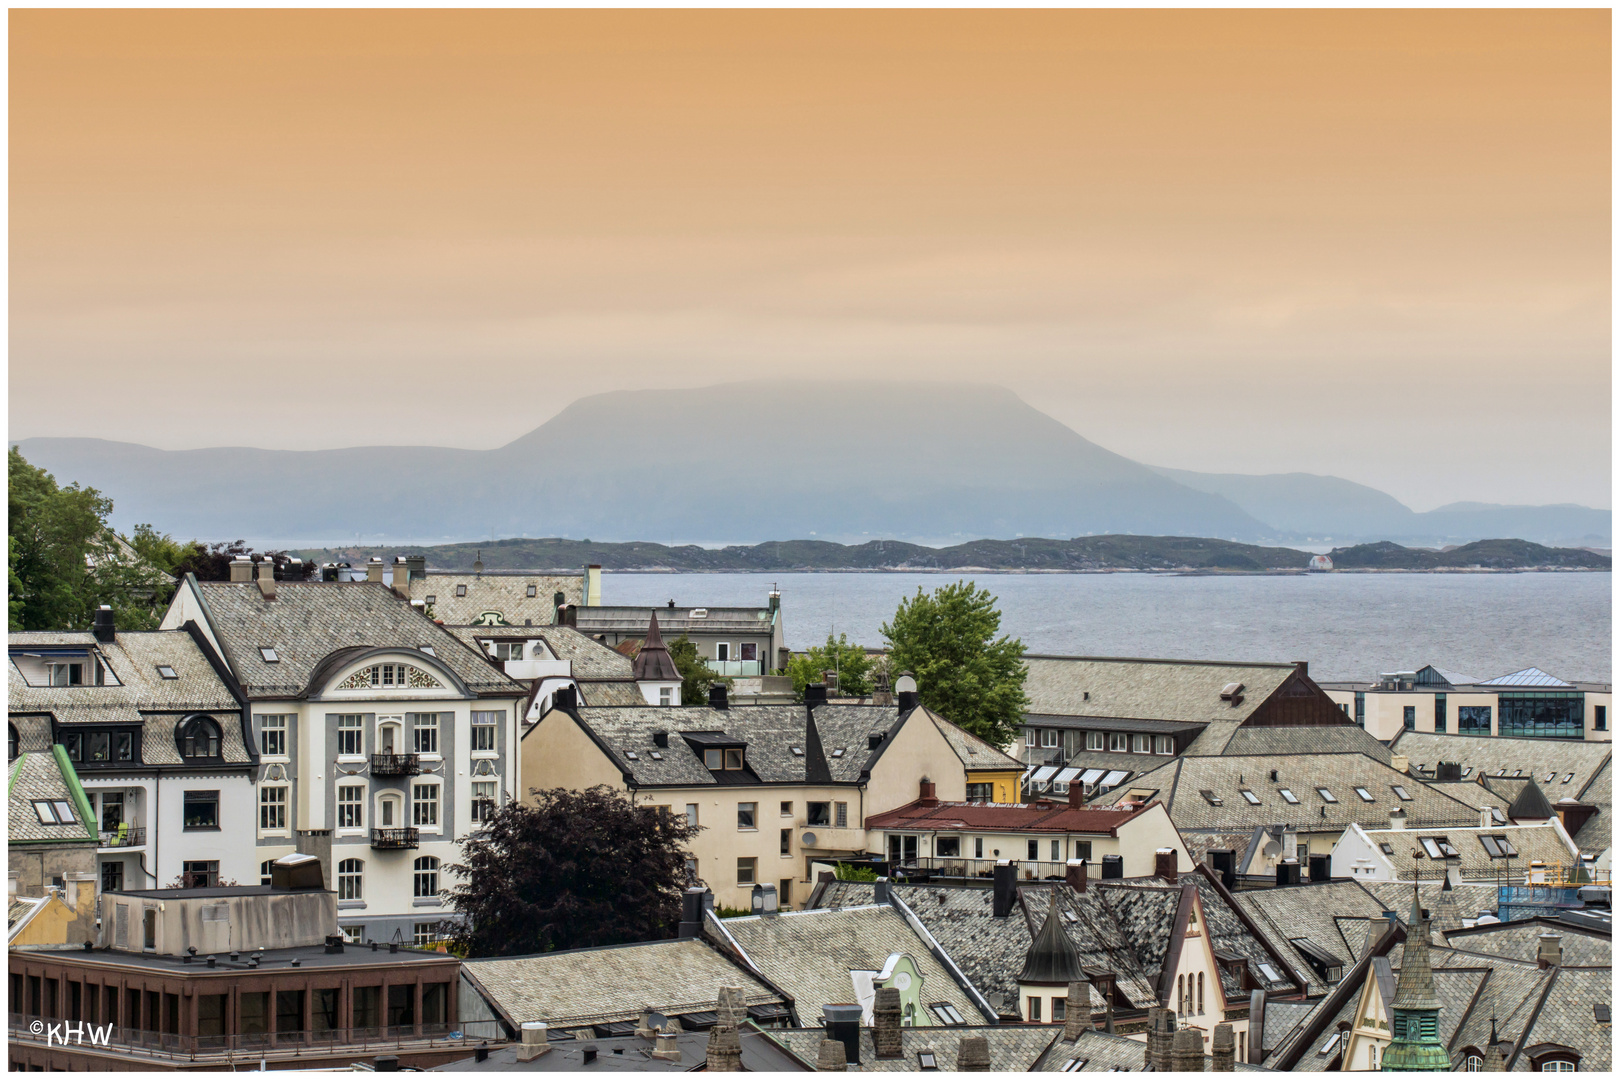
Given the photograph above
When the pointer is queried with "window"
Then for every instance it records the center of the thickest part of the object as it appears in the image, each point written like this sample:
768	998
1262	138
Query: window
785	843
1049	737
1437	847
1542	714
461	590
351	803
747	871
1249	797
1474	1063
1034	851
818	813
425	732
54	812
112	877
484	728
351	735
266	873
1060	1009
1030	737
201	810
1332	1043
1386	847
1164	744
1400	792
978	847
1074	1065
1057	851
1364	794
1181	993
926	1061
1555	1065
1600	718
421	938
273	736
1210	797
841	815
483	801
1473	719
1119	743
1361	708
269	655
166	672
199	738
981	792
1409	717
425	805
426	879
532	591
1327	796
1200	993
787	809
273	808
1082	850
948	847
747	815
350	875
198	874
1567	778
1094	740
691	813
1288	796
1034	1009
666	695
946	1013
1141	744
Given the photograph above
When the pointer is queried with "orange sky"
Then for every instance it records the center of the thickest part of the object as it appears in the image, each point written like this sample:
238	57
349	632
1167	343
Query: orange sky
1371	243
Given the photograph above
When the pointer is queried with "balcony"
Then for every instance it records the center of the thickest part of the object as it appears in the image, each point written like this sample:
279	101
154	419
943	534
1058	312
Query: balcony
735	669
947	868
395	765
395	839
123	837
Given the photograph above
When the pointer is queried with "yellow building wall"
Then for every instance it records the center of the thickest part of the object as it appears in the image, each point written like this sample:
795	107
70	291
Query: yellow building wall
56	924
1008	784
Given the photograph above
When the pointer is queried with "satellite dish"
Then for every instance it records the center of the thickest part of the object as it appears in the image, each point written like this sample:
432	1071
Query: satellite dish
1272	849
905	684
808	839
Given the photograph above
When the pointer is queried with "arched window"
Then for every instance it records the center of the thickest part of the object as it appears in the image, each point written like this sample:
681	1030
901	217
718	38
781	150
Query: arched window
1200	993
199	738
349	875
1181	993
264	871
11	749
427	876
1473	1063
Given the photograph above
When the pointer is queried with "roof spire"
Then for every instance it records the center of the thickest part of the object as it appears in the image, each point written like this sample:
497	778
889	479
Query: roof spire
653	662
1415	1012
1052	958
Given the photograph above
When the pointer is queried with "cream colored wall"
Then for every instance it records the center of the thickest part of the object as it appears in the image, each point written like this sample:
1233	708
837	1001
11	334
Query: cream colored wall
1198	958
1593	700
1142	837
918	750
1371	1030
557	752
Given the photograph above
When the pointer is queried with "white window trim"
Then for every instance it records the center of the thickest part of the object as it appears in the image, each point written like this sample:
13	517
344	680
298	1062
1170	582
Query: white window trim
390	796
438	801
337	804
286	809
286	738
438	737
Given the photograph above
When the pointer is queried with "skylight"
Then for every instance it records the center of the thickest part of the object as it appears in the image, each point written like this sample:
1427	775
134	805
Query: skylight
1366	796
1076	1064
1210	797
1249	796
1288	796
269	655
656	756
1327	1047
1568	777
798	751
429	650
54	812
1467	772
1548	778
1400	792
838	752
631	754
926	1061
1387	849
1270	973
166	672
946	1012
1327	796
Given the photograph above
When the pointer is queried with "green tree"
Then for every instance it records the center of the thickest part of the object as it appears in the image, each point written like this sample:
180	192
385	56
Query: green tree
570	870
53	532
964	671
696	675
854	668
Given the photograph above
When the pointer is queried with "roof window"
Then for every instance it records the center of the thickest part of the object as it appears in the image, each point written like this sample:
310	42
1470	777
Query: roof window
428	649
1567	777
1548	778
1333	1041
430	599
631	754
54	812
1210	797
1467	772
838	752
1400	792
1497	815
1250	797
798	751
946	1012
166	672
1497	847
532	591
1600	1012
1438	847
1270	973
1327	796
1076	1064
1288	796
656	756
1366	796
1387	849
269	655
700	613
461	590
926	1062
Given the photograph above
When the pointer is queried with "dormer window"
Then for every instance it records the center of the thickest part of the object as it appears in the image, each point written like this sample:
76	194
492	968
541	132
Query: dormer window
723	759
199	738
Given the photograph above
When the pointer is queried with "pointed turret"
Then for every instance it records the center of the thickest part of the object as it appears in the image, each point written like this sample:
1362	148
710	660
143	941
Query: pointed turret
1415	1019
653	663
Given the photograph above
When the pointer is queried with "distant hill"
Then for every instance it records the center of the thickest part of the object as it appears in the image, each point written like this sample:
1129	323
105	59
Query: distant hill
1081	553
741	463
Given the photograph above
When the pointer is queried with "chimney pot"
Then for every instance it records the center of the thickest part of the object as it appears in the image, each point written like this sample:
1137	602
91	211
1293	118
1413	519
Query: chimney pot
925	793
1486	818
815	694
1397	818
1400	762
267	578
374	570
905	701
1549	950
830	1058
843	1022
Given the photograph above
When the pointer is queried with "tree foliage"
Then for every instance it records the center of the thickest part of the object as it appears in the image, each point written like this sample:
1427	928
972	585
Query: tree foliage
964	671
854	668
572	870
696	674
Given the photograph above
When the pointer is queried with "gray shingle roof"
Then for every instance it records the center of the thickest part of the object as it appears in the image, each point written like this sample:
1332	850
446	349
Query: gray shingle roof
610	692
673	622
976	754
1566	1017
1312	912
1521	941
1533	842
1597	834
1101	1052
1347	739
40	776
1489	754
589	657
506	594
1179	782
1146	689
613	984
307	622
1013	1047
810	954
1396	896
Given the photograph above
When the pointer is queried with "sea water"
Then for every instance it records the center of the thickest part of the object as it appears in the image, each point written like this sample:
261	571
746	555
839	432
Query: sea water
1348	626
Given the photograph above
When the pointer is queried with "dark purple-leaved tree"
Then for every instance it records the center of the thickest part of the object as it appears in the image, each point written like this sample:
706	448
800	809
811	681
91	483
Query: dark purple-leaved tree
571	870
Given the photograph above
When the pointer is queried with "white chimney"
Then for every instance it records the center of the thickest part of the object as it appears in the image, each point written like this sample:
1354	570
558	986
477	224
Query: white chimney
1486	818
1399	762
241	569
534	1040
1397	818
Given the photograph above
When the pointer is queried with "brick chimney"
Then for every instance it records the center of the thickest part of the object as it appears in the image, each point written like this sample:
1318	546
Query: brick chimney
1161	1033
925	793
241	570
1549	950
886	1023
267	578
534	1041
1225	1049
1077	794
973	1054
1077	1011
724	1052
1164	865
1187	1051
374	569
1399	762
830	1058
1074	872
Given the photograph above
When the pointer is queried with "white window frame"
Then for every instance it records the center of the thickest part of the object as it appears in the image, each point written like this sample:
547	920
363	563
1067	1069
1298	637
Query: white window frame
357	728
1119	742
1031	737
273	724
1051	738
1164	744
1287	795
351	884
666	695
722	651
493	798
353	933
753	870
401	805
491	726
1096	740
430	804
426	733
358	822
422	932
1249	797
273	798
1141	744
418	873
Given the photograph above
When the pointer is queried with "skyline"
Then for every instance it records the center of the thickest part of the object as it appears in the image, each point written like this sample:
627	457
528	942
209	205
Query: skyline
1369	244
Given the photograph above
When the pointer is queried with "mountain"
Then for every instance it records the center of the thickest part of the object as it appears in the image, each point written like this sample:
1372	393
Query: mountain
736	463
1304	506
743	463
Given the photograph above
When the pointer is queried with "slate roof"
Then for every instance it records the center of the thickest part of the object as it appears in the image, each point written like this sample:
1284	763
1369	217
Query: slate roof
1490	753
1521	940
810	954
1396	896
308	622
46	777
977	755
1102	1052
612	984
606	693
1013	1047
1455	989
503	593
1344	739
1059	818
1313	912
144	697
674	621
652	661
1178	783
771	733
1596	834
590	659
1145	689
1565	1016
1533	842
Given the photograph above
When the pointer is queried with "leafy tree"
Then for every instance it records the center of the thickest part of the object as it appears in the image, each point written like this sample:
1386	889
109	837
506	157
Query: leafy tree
849	872
854	668
964	671
696	674
572	870
53	532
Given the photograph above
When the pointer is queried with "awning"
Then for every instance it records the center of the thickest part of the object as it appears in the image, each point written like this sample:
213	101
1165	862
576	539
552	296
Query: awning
1091	776
1115	778
1044	773
1065	776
